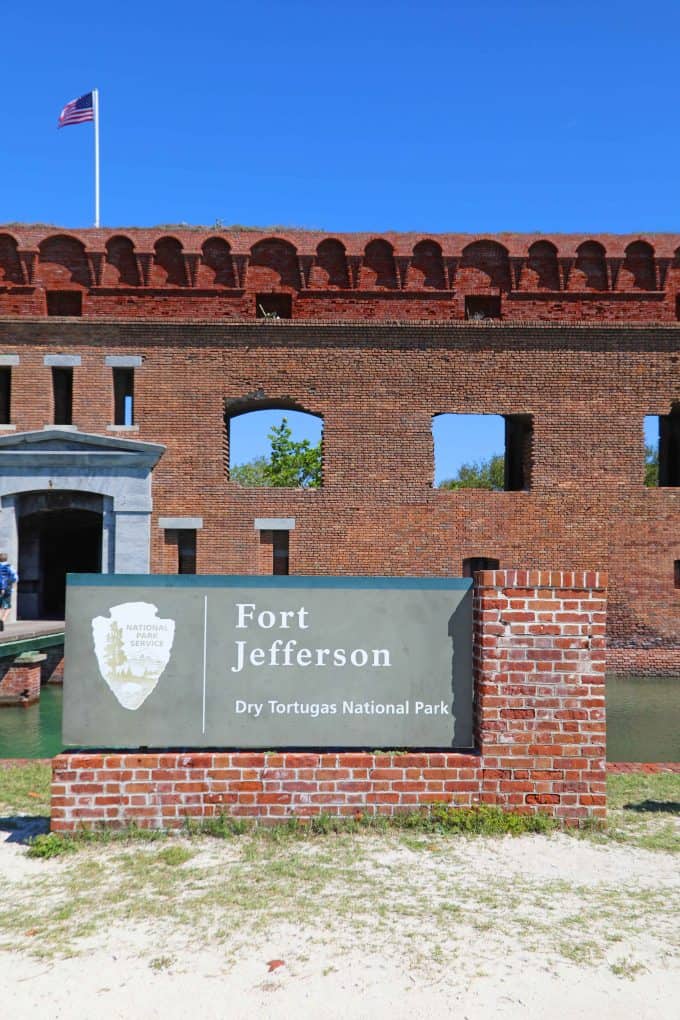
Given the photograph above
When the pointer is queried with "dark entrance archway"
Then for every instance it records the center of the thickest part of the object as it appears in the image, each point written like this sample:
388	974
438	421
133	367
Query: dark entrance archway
59	533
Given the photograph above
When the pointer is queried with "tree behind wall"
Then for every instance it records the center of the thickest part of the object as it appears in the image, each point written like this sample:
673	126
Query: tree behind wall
479	474
293	464
489	474
651	466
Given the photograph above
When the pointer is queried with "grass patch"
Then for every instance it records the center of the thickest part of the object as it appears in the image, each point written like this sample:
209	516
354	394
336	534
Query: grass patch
25	789
173	856
643	811
51	844
630	790
627	968
161	962
441	819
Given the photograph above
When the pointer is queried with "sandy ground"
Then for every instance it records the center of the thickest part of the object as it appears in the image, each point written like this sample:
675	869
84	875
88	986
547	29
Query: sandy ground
497	956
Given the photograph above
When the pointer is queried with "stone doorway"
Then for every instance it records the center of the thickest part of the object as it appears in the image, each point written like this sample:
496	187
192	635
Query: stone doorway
60	470
59	533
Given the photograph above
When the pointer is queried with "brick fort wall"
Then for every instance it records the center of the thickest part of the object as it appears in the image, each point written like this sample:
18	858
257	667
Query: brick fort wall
576	334
377	388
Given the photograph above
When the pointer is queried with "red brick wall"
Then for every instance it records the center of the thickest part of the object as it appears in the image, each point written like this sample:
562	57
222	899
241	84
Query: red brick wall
20	681
377	388
540	724
644	661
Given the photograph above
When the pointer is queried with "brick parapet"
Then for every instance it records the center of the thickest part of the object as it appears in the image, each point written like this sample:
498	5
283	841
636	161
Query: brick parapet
539	677
184	272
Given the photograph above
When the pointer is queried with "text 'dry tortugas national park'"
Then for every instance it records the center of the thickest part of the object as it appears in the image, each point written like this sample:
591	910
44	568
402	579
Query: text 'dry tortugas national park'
373	642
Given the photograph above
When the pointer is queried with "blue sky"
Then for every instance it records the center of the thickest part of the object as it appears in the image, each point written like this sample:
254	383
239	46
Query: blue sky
356	116
439	116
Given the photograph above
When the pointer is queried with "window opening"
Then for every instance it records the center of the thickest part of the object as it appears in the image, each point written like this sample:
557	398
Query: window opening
64	302
662	448
676	573
280	552
518	435
482	451
474	563
651	435
669	447
186	551
62	391
482	306
123	396
275	448
5	395
274	306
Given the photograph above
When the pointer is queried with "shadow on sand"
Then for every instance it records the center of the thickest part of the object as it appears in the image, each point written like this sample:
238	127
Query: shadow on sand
24	828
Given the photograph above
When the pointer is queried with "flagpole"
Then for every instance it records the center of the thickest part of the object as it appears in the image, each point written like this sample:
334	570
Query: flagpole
95	110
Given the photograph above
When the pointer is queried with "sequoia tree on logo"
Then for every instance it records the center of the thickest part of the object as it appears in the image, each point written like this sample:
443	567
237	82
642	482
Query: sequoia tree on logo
114	654
133	647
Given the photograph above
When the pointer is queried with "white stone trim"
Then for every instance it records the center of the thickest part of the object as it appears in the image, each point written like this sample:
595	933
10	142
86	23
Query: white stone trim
123	360
180	523
274	523
62	360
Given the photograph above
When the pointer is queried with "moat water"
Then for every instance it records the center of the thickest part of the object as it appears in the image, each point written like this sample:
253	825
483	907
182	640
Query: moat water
643	722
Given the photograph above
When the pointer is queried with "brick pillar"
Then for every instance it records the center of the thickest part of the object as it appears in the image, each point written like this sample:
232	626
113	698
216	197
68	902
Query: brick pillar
539	659
20	678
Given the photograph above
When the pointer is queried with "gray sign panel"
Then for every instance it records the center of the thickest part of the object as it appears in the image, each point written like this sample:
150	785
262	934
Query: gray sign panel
267	662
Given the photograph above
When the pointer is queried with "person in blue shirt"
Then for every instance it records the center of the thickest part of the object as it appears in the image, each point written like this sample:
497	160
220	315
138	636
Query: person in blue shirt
8	578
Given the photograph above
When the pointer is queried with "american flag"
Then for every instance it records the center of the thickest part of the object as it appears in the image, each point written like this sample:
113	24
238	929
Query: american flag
77	111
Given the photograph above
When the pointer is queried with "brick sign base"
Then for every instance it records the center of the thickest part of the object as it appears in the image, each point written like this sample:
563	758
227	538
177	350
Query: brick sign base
539	659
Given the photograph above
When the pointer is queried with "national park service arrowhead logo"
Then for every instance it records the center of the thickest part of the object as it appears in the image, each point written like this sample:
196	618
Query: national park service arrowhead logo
133	648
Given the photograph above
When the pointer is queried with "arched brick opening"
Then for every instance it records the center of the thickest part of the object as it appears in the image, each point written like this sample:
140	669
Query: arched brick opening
216	268
121	264
242	408
428	265
543	266
273	263
168	265
590	268
62	262
639	264
484	264
331	264
378	271
10	263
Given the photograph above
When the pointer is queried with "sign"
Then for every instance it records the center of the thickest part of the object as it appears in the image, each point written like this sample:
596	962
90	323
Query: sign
267	662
